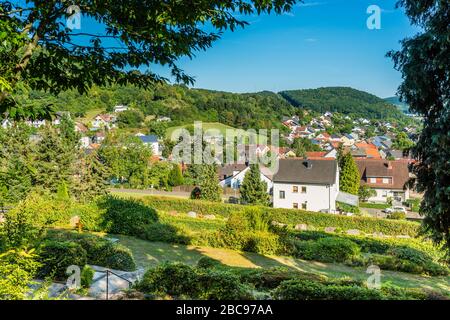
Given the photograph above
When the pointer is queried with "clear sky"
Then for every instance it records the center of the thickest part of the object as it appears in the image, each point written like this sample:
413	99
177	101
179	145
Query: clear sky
322	43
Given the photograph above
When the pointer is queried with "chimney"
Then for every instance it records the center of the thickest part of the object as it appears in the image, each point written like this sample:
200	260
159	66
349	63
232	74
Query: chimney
307	164
389	165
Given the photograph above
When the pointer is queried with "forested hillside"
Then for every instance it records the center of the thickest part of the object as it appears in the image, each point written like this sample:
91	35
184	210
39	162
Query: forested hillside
181	104
342	99
248	110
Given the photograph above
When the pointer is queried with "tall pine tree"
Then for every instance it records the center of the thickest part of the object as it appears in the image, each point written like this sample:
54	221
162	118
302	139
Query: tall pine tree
208	183
253	189
349	177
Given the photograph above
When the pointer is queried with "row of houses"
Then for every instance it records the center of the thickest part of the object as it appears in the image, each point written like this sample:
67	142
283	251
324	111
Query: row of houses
313	183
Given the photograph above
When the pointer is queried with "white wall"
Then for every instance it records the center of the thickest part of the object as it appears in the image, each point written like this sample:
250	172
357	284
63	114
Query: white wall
319	197
236	180
384	194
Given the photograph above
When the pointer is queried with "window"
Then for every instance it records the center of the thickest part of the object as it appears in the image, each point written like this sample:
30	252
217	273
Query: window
373	180
303	189
282	195
385	180
305	205
385	194
295	205
295	189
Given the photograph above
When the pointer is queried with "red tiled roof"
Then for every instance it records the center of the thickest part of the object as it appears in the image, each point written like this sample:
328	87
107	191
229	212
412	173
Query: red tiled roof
373	168
316	154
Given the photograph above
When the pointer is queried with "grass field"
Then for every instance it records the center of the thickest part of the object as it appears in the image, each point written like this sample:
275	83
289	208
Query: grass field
222	128
90	115
149	254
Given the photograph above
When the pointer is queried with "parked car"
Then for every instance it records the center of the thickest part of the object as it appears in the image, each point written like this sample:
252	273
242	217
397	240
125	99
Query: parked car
395	209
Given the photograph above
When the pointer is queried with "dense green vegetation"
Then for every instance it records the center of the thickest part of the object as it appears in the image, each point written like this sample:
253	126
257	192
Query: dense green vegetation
343	100
289	216
212	280
184	105
181	104
424	64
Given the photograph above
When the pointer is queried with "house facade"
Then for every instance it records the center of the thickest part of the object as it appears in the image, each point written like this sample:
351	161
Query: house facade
150	141
236	180
387	178
306	184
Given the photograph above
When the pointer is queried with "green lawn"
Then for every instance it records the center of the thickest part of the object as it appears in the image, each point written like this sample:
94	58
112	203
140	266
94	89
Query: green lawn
218	126
89	116
149	254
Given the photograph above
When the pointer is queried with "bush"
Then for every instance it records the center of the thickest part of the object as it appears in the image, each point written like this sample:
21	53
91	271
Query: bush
87	277
398	215
118	257
174	279
262	242
99	251
56	257
272	277
207	263
327	250
182	281
301	289
165	233
128	217
221	285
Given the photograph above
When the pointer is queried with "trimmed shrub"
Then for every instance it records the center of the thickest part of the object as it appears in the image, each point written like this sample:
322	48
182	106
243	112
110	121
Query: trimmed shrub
272	277
182	281
55	257
397	216
311	290
174	279
262	242
327	250
221	285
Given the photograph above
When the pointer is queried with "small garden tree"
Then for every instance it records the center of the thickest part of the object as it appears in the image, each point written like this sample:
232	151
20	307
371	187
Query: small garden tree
253	189
175	176
365	193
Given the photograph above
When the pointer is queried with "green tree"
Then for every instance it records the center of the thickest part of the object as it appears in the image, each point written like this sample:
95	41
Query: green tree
54	160
402	142
365	193
208	185
127	159
349	177
62	193
41	52
424	64
67	131
303	145
175	176
253	189
92	179
18	268
130	119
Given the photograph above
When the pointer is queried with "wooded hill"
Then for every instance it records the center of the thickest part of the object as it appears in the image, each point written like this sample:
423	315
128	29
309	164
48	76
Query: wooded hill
248	110
342	99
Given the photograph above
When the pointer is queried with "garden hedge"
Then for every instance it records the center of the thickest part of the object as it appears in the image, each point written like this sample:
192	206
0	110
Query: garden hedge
288	216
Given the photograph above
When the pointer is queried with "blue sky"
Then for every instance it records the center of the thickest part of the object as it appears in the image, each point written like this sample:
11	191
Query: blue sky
321	43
